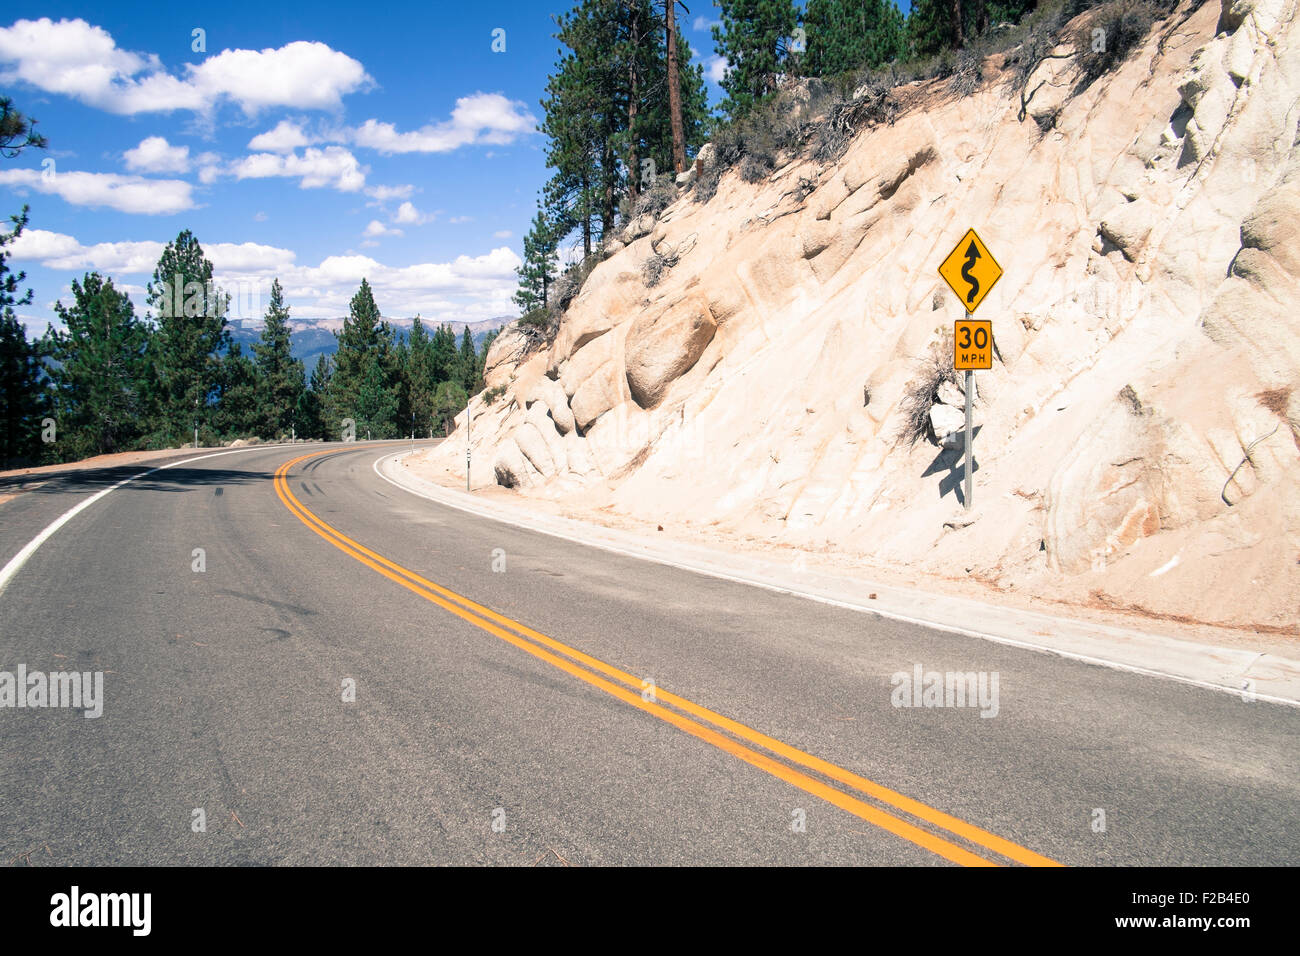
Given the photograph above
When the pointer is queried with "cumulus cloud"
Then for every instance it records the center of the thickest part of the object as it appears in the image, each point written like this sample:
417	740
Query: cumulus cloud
716	68
332	166
480	118
55	250
377	228
468	287
382	194
285	137
409	215
82	61
503	234
156	155
134	194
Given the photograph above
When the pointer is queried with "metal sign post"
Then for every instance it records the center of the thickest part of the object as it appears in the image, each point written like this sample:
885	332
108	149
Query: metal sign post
970	438
971	271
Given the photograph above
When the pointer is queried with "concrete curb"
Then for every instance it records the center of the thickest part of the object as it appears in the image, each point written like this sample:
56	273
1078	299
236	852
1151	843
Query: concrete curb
1247	674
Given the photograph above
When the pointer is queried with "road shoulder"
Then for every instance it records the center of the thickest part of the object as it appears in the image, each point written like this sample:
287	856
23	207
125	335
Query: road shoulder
1255	672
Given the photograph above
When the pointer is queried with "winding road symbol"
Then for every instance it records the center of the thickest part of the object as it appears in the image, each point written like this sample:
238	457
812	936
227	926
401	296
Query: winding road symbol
972	256
970	270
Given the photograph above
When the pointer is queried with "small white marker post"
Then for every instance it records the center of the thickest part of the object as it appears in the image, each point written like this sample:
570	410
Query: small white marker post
970	438
468	419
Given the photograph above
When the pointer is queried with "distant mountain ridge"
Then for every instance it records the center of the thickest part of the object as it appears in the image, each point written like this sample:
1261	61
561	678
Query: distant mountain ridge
309	339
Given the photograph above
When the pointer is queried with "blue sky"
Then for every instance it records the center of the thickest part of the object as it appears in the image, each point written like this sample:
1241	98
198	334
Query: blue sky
317	142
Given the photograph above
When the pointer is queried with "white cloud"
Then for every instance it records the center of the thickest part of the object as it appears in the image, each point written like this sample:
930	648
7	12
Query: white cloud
716	68
468	287
503	234
458	220
332	166
209	167
134	194
704	24
382	194
156	155
55	250
408	214
259	217
284	137
76	59
377	228
305	75
480	118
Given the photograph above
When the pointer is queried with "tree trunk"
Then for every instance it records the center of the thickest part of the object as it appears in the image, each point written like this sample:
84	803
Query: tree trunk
633	159
675	90
586	217
959	39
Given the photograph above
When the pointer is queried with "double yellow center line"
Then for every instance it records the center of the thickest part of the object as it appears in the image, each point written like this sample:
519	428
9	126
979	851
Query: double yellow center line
699	722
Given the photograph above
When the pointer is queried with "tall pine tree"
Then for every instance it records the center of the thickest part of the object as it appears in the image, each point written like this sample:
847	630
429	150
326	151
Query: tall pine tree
539	267
363	386
846	35
753	37
420	380
189	337
99	370
21	399
281	377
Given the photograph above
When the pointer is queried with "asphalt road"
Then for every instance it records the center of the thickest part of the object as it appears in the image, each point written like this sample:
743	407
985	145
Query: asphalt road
480	739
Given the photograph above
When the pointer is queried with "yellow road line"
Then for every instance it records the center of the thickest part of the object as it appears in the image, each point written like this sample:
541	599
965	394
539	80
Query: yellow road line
527	639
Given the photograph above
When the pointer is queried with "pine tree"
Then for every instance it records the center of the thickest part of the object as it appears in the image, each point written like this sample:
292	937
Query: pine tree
934	26
673	76
17	132
23	397
539	267
846	35
188	339
364	383
608	111
99	370
753	38
311	405
580	120
238	411
467	373
443	353
281	377
420	380
21	389
448	402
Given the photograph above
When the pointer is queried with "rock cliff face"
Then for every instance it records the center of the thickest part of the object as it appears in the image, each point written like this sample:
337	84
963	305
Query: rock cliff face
1139	435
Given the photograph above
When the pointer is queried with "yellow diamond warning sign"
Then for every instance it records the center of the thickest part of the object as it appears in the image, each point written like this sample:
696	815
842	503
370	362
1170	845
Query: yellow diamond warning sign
970	270
972	343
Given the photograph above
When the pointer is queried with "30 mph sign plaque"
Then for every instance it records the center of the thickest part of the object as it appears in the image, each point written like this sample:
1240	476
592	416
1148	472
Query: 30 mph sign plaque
972	345
971	272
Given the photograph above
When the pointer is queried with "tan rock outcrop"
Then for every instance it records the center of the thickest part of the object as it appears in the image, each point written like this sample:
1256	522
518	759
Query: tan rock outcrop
662	346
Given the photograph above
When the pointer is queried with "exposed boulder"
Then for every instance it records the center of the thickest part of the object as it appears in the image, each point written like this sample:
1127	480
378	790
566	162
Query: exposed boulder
598	393
1129	226
948	424
585	361
662	346
508	465
507	350
550	395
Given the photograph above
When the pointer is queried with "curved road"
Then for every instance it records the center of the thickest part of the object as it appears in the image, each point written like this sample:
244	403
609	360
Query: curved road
504	710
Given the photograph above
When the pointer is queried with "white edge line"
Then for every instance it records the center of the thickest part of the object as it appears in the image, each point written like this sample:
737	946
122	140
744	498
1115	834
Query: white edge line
18	560
822	599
